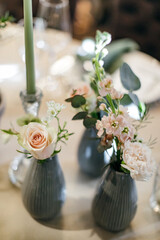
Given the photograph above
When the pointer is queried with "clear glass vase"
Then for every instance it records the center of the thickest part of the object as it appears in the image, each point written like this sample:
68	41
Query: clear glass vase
155	196
19	165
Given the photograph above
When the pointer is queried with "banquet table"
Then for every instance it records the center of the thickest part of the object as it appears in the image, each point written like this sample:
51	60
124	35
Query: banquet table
76	220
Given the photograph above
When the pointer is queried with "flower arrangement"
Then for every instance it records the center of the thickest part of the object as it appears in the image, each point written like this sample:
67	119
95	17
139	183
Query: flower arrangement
37	136
110	118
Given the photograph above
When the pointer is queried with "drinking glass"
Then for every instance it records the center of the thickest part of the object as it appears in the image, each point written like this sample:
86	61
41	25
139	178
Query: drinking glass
57	17
155	196
41	48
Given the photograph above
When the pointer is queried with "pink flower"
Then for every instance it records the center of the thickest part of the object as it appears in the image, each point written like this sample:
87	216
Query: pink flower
102	106
99	127
116	94
38	140
124	112
99	98
126	134
105	86
138	160
125	130
117	126
82	90
109	124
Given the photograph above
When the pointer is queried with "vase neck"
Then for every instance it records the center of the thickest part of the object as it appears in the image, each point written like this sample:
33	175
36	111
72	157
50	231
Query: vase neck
54	158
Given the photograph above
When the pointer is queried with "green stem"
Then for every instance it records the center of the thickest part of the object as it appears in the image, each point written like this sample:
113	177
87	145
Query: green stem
97	67
111	103
118	103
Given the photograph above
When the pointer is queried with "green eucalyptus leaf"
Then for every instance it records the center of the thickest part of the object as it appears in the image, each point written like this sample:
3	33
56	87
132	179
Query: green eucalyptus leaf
116	49
80	115
95	114
89	122
134	99
78	101
126	100
69	99
129	80
94	87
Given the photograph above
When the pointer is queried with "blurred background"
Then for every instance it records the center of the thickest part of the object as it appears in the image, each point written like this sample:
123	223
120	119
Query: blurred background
138	20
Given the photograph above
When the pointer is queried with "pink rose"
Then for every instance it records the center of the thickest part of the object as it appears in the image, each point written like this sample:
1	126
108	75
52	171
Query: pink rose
38	140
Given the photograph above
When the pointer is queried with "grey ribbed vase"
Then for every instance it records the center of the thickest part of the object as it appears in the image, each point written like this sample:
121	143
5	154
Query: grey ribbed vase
115	202
91	162
43	190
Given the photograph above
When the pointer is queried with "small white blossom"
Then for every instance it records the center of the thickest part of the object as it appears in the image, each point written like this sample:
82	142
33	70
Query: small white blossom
53	109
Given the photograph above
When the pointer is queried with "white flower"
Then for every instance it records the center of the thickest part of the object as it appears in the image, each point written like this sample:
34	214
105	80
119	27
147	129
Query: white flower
91	103
53	109
138	160
38	140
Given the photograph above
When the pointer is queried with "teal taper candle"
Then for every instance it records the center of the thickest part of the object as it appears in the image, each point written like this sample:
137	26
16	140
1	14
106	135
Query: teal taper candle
29	50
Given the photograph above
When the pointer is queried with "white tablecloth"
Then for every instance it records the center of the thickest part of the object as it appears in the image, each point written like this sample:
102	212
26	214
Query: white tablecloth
76	222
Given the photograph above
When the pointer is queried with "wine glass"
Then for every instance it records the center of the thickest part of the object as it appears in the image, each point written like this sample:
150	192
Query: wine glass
58	28
41	49
57	17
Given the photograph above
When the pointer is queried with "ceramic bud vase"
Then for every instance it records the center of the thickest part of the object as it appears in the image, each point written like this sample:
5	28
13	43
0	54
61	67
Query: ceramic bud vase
43	189
115	202
92	162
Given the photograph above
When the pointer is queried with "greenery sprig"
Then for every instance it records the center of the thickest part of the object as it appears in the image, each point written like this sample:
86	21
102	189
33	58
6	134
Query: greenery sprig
128	78
59	134
5	19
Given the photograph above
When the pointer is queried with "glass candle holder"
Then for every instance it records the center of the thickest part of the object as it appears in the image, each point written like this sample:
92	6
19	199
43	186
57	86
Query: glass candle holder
20	164
155	196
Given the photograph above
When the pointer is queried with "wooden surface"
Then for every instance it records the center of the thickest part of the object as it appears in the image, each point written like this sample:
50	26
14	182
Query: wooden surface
76	221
